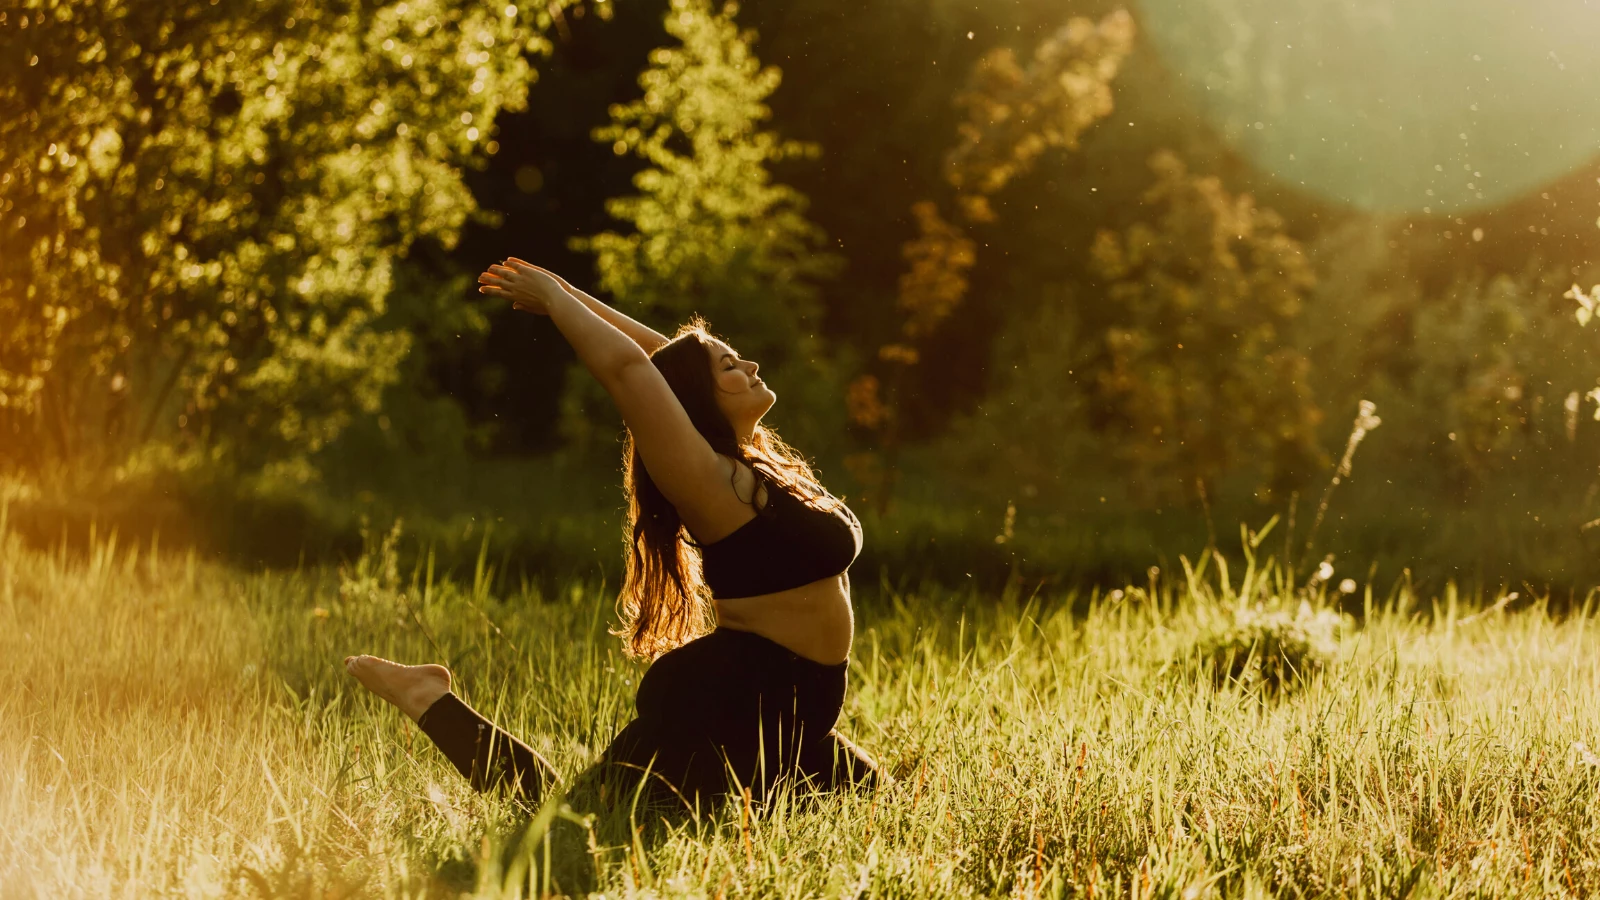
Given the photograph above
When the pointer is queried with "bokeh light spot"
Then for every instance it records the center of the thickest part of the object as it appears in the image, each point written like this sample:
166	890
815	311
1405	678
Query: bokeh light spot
1389	106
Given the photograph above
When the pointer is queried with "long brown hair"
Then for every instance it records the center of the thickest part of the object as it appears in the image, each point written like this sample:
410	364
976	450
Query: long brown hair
665	602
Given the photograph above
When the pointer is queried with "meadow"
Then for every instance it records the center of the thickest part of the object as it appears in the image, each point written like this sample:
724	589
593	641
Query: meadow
175	727
1044	301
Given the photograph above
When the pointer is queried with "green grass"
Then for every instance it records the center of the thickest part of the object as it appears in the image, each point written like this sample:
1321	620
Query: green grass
170	727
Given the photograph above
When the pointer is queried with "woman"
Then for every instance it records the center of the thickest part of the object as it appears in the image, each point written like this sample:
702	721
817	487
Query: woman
718	504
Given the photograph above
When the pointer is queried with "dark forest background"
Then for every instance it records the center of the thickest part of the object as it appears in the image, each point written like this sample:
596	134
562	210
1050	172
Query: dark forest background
1037	422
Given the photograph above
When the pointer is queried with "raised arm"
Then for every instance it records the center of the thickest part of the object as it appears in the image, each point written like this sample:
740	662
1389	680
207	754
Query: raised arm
646	337
679	460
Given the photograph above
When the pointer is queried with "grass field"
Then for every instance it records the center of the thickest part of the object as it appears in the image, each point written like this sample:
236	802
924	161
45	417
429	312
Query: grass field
169	727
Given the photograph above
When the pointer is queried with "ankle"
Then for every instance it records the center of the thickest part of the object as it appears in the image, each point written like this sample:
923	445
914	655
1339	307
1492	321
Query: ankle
422	698
425	687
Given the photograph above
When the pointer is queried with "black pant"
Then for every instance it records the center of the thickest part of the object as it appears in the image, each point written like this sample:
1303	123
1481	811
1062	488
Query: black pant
731	709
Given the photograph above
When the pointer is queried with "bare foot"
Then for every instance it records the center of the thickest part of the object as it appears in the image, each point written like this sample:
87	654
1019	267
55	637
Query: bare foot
410	688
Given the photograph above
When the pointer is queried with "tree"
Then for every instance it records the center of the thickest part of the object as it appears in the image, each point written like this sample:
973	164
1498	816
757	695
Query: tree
201	206
711	231
1196	373
1012	116
1178	366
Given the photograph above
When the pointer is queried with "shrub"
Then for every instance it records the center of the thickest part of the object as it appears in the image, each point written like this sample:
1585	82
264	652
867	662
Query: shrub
1271	648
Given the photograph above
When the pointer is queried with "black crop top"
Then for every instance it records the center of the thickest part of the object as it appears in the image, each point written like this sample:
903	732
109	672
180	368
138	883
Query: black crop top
789	543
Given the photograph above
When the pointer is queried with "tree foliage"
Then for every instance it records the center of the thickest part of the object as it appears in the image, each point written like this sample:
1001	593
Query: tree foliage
711	231
1490	374
1196	372
201	205
1012	115
1498	372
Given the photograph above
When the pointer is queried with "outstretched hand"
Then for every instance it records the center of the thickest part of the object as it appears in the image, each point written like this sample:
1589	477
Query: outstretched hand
528	287
565	285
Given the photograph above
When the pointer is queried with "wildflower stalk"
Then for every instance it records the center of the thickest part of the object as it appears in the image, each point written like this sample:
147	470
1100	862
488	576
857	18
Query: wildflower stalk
1366	420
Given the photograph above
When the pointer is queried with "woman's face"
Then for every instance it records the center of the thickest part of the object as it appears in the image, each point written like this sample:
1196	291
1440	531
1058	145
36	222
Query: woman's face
741	394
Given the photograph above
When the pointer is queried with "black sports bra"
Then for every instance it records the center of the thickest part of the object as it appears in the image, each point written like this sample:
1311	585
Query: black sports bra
789	543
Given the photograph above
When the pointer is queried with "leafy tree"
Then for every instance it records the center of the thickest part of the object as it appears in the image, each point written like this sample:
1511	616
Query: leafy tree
1013	115
1196	373
201	206
1177	368
711	231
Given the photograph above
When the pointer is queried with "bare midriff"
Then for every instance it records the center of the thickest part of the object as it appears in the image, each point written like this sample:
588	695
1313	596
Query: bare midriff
813	620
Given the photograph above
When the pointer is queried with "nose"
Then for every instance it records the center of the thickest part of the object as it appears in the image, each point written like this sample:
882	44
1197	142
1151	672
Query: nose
754	367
